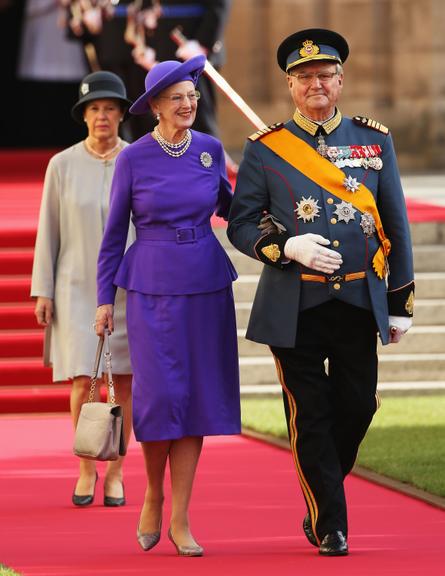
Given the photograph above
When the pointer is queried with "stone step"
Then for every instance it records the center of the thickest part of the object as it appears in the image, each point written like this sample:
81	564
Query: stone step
428	233
427	258
419	339
426	312
428	285
384	388
392	368
421	233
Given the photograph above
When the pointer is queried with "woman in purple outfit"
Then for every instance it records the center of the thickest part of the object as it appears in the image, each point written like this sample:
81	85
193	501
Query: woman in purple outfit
180	311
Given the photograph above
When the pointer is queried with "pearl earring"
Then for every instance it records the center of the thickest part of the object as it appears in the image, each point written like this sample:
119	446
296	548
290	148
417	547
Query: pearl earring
158	117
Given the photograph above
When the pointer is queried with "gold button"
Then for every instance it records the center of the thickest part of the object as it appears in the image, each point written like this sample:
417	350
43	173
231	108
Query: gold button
335	243
333	220
330	200
336	286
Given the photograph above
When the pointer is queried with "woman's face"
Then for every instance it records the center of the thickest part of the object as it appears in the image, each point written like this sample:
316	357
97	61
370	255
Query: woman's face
177	105
102	117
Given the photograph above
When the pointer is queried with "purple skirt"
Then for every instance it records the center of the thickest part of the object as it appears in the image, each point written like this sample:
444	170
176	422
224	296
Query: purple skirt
184	357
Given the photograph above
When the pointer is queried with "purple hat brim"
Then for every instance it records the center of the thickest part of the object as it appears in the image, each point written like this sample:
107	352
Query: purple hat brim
194	65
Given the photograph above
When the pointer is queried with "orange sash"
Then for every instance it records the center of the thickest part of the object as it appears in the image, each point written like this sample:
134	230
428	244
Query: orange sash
309	162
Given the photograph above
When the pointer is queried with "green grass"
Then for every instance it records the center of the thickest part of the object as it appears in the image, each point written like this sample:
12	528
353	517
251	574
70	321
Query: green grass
406	440
5	571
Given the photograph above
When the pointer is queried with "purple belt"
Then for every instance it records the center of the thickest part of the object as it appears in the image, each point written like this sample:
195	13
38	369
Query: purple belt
183	235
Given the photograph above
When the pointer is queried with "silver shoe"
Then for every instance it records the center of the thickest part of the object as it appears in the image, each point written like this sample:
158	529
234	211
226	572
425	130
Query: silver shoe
186	550
149	540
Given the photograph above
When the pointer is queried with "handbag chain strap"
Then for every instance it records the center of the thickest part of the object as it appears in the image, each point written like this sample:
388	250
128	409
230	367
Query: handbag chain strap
103	342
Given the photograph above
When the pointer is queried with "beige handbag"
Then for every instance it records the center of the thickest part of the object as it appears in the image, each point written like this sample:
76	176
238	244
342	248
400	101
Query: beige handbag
99	430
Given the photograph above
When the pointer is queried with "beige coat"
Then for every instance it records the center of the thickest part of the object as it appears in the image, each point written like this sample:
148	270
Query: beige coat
72	217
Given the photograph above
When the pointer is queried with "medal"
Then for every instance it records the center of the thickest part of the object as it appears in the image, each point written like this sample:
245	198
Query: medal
375	162
332	153
367	224
206	159
354	156
322	147
351	184
345	211
307	209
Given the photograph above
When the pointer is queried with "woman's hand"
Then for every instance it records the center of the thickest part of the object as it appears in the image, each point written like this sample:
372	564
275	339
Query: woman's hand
104	319
44	310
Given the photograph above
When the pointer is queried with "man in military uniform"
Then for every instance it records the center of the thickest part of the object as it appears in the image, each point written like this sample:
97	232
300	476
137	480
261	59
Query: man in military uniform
338	269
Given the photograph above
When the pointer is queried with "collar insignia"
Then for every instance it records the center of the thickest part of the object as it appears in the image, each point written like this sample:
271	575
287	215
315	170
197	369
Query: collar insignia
312	127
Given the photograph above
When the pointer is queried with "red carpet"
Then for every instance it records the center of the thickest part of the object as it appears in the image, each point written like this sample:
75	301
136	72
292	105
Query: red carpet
246	512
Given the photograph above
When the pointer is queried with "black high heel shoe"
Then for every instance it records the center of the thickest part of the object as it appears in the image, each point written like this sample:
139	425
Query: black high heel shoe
84	499
113	501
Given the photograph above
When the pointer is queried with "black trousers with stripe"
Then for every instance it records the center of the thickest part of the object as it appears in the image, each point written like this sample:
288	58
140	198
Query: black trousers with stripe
328	414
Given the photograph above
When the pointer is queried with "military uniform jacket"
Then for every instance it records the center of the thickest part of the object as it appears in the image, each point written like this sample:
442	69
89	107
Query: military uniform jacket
268	183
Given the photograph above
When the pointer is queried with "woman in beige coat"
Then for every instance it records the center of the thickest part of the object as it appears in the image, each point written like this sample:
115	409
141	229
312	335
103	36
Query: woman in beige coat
72	219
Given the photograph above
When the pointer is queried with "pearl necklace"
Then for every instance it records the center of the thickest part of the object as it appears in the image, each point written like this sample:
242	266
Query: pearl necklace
93	152
169	147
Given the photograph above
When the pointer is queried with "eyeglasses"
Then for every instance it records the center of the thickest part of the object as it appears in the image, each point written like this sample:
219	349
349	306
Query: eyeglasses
179	98
306	78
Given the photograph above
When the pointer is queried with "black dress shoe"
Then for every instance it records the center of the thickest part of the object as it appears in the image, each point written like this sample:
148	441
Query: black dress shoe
113	502
307	529
84	499
334	544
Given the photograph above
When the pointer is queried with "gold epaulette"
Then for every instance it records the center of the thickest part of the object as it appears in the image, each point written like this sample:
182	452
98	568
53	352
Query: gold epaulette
264	131
370	123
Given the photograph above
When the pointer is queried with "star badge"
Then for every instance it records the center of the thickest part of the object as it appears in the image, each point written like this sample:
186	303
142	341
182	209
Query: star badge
351	184
307	209
345	211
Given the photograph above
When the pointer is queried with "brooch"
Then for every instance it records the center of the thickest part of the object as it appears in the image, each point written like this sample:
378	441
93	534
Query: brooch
206	159
307	209
345	211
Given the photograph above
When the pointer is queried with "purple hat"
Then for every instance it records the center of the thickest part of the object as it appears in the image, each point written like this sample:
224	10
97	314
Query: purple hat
165	74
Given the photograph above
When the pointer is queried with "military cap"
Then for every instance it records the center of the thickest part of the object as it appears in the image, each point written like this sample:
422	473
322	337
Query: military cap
309	45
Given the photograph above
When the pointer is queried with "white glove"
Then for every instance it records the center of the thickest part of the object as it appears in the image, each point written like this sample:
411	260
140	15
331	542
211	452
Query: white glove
398	325
308	249
190	49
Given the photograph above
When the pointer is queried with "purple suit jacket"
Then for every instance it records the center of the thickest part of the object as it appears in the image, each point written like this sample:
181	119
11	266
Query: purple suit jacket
170	201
